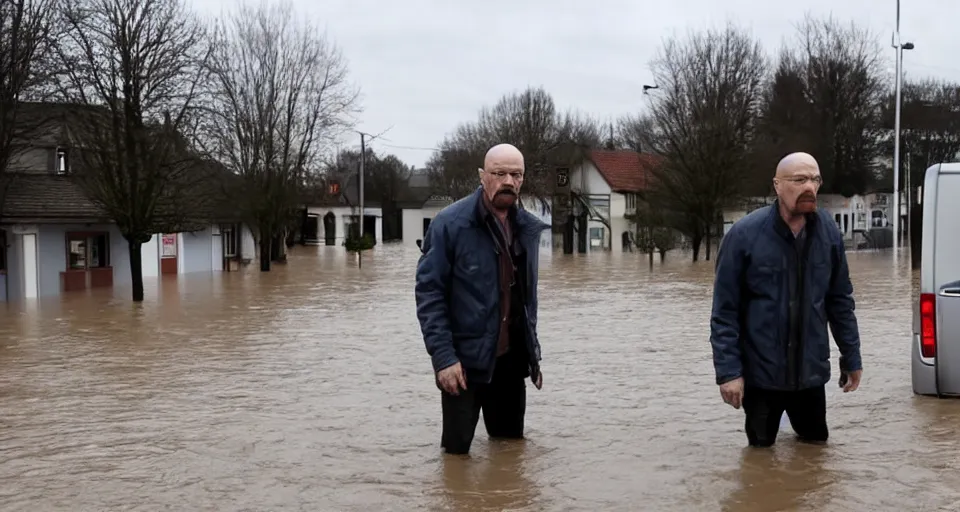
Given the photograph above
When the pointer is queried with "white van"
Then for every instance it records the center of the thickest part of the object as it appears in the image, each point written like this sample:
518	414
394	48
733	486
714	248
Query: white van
935	347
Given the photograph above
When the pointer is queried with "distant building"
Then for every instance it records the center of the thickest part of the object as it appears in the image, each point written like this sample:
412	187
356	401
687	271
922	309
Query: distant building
605	187
54	239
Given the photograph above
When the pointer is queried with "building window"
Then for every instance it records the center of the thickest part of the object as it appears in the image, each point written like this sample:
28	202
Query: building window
229	234
631	201
596	237
88	250
63	162
3	251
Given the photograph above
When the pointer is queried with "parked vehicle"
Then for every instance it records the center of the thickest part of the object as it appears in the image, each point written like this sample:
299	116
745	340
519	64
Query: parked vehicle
935	347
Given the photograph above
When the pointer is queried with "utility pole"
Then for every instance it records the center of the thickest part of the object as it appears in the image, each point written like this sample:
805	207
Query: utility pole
899	47
363	156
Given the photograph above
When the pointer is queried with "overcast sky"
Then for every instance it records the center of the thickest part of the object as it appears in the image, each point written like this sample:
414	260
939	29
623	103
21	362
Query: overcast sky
426	65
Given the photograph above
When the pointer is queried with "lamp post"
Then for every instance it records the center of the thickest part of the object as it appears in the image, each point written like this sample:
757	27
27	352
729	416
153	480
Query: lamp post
899	47
648	87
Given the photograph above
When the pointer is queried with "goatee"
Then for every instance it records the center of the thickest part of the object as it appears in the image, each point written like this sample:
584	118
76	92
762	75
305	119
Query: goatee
504	199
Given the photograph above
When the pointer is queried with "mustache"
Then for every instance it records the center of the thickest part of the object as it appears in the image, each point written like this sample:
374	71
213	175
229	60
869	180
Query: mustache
807	197
507	191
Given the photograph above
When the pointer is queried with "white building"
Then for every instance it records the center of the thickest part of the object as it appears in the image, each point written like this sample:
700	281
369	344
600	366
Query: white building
610	182
53	239
334	217
855	216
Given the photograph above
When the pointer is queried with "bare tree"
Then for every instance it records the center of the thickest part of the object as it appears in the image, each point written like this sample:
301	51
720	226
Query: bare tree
929	134
281	98
25	44
704	116
635	132
133	67
825	99
929	127
528	120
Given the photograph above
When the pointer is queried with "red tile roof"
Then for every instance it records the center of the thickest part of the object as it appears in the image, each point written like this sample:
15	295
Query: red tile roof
624	170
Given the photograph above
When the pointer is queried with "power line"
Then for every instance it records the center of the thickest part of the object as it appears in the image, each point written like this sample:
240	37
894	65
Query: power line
415	148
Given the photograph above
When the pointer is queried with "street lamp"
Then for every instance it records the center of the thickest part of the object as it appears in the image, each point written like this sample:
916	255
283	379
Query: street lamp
899	48
648	87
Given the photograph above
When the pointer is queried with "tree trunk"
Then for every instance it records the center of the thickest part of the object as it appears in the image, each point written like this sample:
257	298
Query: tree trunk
663	255
695	242
265	253
136	269
709	230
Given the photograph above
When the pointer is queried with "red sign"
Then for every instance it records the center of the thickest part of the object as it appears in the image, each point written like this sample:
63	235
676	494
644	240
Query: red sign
334	188
168	246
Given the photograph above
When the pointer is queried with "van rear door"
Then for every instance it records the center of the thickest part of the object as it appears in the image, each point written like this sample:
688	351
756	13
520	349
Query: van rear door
946	278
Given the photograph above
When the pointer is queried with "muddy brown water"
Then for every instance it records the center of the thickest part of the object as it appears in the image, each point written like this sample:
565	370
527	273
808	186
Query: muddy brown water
308	388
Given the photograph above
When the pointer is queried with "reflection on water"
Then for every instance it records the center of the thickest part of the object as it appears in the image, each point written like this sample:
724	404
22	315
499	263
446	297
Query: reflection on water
309	388
796	473
495	480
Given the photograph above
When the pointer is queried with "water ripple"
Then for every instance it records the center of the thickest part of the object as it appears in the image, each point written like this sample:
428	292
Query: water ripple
308	388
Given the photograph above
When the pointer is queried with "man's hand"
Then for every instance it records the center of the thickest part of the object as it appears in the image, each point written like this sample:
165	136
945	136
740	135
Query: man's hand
452	379
539	381
732	392
853	381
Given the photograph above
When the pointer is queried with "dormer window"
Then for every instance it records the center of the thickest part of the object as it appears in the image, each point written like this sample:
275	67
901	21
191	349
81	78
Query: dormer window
63	164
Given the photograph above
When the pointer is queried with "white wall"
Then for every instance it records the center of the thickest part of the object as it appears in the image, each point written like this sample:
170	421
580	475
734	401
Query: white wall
618	221
216	250
342	213
248	245
195	251
150	257
545	215
586	179
413	223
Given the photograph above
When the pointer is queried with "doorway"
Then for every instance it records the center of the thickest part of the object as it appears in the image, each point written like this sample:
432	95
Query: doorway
330	228
31	275
168	254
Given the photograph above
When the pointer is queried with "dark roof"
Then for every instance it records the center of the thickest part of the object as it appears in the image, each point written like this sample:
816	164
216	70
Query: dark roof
350	193
50	197
45	124
45	196
214	192
417	192
624	170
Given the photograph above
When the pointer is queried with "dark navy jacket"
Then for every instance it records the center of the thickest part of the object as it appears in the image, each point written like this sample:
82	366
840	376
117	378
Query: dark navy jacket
750	328
458	287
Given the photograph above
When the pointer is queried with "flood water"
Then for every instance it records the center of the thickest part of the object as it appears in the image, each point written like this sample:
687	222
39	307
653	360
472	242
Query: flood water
308	388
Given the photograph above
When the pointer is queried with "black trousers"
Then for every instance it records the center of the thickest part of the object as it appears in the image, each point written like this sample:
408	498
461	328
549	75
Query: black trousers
807	410
503	402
